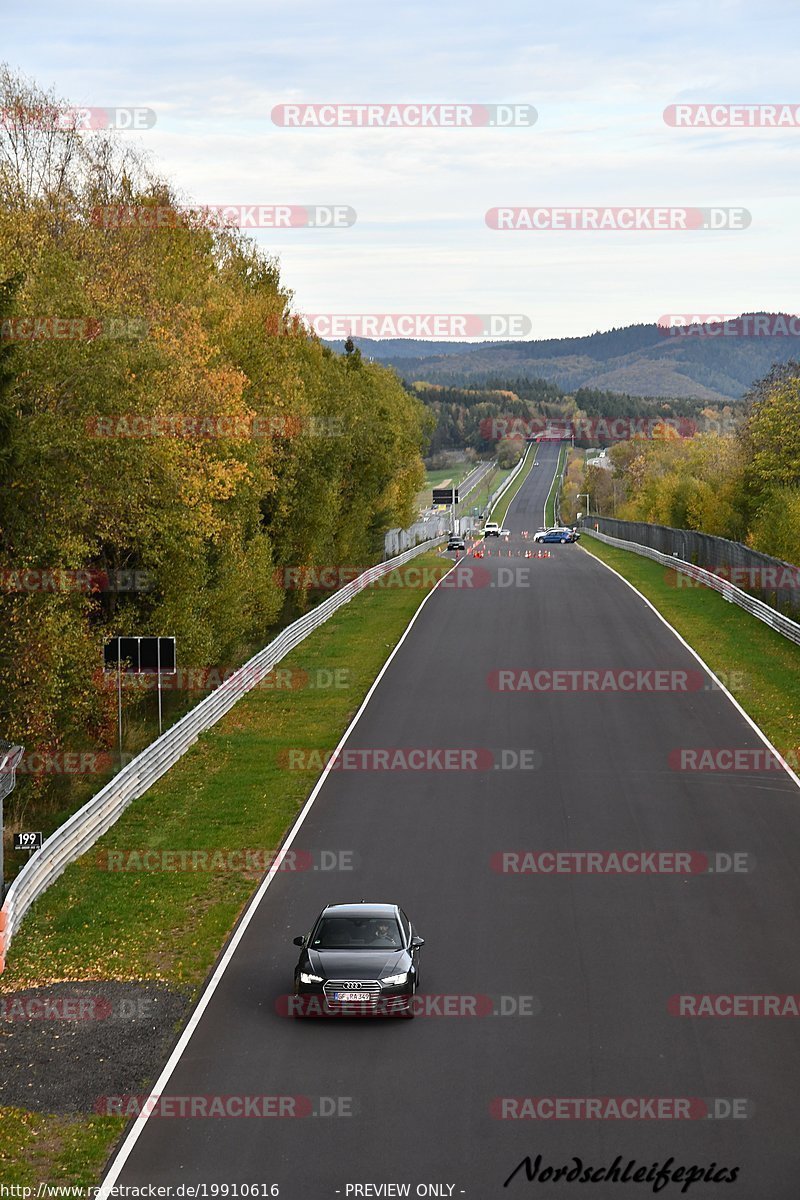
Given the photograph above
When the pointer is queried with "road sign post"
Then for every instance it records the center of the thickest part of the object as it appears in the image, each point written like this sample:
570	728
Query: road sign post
9	759
142	656
119	697
447	496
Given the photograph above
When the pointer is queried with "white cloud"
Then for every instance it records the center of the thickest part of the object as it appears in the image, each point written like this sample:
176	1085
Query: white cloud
599	76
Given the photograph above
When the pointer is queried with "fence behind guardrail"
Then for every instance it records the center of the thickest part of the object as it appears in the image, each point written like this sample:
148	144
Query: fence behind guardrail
773	581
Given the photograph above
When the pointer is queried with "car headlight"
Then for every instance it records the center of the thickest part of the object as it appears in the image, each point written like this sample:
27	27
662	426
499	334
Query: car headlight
306	978
395	980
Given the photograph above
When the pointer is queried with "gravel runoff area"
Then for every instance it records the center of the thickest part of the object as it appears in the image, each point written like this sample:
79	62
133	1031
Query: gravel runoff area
67	1046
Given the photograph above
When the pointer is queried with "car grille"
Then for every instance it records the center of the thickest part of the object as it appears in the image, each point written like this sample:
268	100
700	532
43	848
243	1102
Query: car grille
370	987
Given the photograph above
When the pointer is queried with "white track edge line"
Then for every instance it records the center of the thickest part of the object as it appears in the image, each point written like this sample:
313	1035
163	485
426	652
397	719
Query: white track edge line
792	774
133	1135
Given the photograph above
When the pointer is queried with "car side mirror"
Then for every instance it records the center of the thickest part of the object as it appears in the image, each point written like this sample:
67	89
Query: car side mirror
416	942
299	941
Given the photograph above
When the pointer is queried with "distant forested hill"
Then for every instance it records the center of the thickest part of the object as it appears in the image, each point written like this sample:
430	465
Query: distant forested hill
641	360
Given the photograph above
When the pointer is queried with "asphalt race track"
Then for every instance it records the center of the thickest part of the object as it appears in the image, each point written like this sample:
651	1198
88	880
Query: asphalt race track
559	983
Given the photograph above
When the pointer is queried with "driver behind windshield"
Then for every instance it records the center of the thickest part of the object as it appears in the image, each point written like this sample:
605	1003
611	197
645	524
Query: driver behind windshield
384	935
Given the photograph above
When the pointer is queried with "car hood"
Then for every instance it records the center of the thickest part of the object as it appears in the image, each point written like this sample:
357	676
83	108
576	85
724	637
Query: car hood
357	964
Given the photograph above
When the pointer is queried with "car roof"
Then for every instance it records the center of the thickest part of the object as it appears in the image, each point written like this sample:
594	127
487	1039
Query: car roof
360	909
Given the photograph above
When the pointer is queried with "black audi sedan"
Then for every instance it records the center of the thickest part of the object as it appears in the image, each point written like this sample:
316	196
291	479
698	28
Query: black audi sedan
359	959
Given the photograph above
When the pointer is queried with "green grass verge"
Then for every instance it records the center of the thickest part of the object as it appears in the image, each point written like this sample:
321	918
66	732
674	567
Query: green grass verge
41	1147
231	791
491	481
550	506
456	473
760	668
499	514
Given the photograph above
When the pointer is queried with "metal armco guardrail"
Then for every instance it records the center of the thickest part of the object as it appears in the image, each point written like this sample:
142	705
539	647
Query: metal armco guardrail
84	827
757	608
769	579
559	486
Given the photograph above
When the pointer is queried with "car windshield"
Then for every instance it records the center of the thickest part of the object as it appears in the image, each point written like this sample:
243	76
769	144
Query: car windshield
356	933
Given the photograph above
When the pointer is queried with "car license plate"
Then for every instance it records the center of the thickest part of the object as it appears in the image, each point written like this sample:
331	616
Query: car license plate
351	996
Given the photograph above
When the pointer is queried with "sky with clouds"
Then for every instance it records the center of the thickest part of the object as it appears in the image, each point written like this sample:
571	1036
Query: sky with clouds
599	76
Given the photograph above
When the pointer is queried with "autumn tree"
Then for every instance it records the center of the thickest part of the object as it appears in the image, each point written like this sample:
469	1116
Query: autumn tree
184	433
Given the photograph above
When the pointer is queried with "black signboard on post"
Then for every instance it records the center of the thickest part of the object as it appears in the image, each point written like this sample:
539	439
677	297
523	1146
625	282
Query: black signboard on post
28	841
140	655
